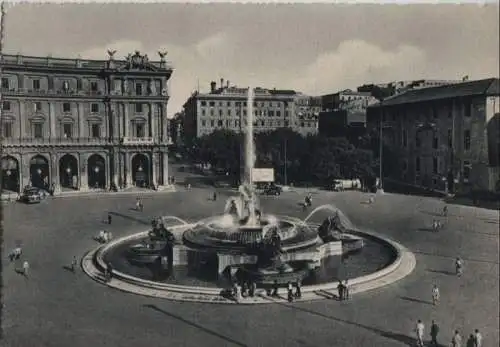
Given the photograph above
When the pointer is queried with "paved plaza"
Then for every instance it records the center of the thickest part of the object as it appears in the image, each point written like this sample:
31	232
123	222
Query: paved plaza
54	307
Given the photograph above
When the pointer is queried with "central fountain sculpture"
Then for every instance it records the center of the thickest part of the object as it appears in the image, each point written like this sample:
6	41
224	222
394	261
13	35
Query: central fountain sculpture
245	242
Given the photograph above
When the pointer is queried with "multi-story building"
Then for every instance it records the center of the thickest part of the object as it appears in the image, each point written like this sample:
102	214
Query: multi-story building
75	124
226	108
393	88
446	137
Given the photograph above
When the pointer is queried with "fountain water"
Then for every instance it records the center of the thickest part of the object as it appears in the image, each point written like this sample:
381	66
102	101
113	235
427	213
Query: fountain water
166	218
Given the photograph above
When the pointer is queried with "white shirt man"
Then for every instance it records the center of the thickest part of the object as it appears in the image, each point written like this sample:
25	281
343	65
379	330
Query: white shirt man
435	294
456	341
420	333
26	267
478	338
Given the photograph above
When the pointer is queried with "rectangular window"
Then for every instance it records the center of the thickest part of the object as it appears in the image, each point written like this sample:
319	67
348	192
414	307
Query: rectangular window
435	142
212	123
6	106
435	165
203	122
219	123
278	113
140	130
138	88
36	84
93	86
37	130
95	131
94	108
117	86
7	130
405	138
417	140
229	113
212	103
66	107
417	164
67	130
5	83
37	106
287	123
229	103
467	170
271	113
467	140
220	113
450	138
203	103
138	108
203	112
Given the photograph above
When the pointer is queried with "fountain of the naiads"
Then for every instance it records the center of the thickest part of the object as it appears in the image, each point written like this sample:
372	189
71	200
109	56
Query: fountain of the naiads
246	243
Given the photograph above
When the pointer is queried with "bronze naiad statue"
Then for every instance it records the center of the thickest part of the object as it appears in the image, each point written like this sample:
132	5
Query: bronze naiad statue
328	227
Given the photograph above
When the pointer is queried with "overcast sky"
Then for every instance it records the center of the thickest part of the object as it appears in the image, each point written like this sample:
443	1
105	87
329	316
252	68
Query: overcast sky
311	48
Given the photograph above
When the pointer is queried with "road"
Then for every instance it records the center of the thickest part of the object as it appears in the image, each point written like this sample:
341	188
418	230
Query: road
54	307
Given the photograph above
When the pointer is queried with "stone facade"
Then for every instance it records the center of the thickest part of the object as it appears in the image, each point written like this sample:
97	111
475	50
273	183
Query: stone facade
75	124
226	108
438	135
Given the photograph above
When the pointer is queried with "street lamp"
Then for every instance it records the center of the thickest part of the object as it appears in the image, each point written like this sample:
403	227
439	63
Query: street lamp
68	170
139	168
39	171
96	169
8	172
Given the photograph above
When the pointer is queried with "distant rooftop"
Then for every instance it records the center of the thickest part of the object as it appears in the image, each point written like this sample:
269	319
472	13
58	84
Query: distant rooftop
489	86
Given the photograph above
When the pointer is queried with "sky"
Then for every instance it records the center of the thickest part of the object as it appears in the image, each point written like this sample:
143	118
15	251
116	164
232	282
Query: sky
316	49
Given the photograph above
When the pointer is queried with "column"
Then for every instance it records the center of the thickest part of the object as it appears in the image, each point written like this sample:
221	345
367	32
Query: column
116	167
108	164
152	120
24	168
52	119
126	120
165	168
128	169
83	176
155	165
164	123
54	172
81	121
22	121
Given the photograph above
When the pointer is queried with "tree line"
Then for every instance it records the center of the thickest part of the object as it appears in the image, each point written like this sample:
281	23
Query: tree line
295	159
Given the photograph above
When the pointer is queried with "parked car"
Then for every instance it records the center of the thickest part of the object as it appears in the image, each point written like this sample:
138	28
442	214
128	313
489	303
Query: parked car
33	195
272	190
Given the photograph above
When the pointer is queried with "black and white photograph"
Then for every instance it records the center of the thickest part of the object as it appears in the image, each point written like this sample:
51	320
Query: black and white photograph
249	173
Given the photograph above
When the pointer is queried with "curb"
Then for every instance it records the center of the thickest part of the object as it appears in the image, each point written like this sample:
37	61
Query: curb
92	264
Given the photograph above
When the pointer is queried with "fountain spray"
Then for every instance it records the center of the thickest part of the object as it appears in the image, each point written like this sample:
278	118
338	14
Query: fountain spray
250	160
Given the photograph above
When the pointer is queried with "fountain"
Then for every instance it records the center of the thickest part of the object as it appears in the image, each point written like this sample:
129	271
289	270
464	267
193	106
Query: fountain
243	242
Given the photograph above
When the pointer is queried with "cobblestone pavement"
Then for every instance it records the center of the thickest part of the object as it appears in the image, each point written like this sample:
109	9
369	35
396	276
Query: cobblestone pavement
54	307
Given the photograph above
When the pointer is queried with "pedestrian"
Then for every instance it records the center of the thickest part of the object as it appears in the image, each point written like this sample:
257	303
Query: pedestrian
26	268
253	288
478	338
17	252
435	295
434	334
298	292
238	293
73	264
141	205
346	290
109	218
445	211
290	292
456	340
137	204
275	289
459	264
419	330
340	288
189	186
215	196
471	342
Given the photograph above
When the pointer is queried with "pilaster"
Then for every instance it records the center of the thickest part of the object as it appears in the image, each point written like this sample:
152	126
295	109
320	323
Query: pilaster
81	120
152	120
155	160
128	169
126	120
165	168
52	120
54	172
22	120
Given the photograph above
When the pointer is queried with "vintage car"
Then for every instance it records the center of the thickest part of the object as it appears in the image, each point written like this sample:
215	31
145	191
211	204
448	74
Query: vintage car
33	195
272	190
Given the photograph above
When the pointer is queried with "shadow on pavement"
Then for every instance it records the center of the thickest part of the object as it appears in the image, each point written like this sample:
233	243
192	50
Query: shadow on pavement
195	325
130	218
443	272
68	268
426	229
435	214
407	340
414	300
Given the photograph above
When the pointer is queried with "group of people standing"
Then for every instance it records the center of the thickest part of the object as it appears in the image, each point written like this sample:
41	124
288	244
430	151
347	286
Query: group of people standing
475	339
343	289
15	255
249	288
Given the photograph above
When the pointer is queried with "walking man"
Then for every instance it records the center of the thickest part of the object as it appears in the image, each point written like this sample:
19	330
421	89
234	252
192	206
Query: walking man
434	334
445	211
26	268
340	288
419	329
298	292
290	292
346	290
73	264
109	218
17	252
456	340
435	295
459	264
478	338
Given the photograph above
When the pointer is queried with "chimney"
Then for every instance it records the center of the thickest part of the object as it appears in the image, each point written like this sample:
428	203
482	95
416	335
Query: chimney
227	84
213	85
222	83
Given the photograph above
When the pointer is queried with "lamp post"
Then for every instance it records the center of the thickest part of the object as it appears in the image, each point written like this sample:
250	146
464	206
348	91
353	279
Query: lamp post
381	151
68	172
